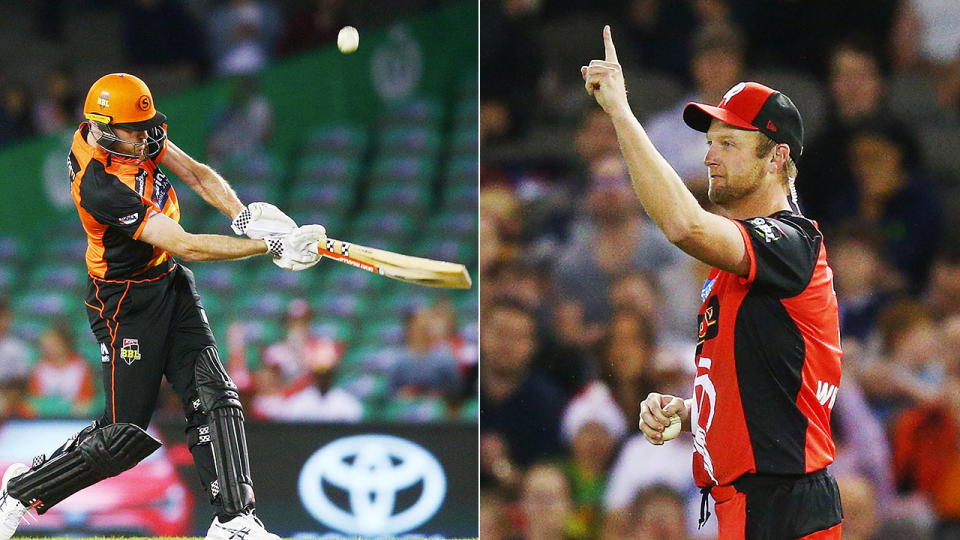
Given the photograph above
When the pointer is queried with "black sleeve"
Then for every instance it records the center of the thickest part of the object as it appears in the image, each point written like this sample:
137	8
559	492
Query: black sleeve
110	201
785	253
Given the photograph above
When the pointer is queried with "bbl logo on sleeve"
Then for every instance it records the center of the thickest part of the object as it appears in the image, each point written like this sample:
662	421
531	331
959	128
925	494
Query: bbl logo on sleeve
130	352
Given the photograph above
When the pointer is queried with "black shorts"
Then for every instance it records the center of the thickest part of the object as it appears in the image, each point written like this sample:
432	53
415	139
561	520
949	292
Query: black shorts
782	507
147	328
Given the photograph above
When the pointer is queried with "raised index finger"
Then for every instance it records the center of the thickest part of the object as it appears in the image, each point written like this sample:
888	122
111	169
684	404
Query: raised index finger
609	49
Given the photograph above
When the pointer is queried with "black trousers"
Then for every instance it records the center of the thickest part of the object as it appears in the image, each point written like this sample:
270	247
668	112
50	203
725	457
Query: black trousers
149	328
779	507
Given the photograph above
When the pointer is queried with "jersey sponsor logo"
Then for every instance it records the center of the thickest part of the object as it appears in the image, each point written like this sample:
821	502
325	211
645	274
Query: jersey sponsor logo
141	182
766	230
707	288
128	219
160	188
706	395
130	352
104	353
707	327
70	169
826	392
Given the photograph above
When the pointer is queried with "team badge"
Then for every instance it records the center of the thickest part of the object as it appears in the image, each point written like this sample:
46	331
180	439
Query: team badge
104	100
130	352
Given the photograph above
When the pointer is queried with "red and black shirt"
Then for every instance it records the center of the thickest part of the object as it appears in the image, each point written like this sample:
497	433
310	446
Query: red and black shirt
115	197
768	357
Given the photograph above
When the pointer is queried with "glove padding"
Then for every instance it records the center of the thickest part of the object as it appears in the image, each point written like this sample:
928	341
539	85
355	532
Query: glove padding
298	250
259	220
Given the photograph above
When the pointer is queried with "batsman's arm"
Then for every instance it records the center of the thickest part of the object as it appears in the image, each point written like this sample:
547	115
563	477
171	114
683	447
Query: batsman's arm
203	179
712	239
167	234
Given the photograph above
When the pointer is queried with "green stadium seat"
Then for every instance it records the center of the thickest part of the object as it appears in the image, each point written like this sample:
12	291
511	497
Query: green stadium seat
463	251
341	277
328	169
374	227
269	276
392	168
405	140
336	329
259	332
320	196
466	141
456	223
10	249
51	407
470	410
222	277
386	332
346	305
409	197
72	277
415	410
463	196
417	112
257	191
264	304
462	170
344	140
9	278
46	303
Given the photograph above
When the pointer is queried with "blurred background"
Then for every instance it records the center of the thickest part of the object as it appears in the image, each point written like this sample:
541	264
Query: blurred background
379	146
586	308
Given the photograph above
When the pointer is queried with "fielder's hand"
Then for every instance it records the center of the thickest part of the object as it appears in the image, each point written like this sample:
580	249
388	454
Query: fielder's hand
297	250
655	413
259	220
604	78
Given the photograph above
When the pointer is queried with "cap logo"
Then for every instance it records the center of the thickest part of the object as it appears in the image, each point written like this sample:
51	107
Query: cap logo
104	100
144	102
732	92
771	126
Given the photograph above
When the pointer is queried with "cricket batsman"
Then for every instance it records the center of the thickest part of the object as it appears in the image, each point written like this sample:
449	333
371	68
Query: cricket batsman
145	312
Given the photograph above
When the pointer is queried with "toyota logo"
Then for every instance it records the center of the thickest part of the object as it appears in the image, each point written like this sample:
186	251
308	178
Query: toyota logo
372	470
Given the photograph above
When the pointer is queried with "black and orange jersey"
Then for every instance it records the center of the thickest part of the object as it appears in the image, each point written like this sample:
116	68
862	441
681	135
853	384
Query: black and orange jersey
115	197
768	357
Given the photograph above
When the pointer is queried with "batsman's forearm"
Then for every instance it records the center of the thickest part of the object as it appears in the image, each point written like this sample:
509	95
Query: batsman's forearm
217	192
662	193
215	247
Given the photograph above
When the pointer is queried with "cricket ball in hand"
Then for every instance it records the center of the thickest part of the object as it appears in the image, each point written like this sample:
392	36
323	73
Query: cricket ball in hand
671	431
348	39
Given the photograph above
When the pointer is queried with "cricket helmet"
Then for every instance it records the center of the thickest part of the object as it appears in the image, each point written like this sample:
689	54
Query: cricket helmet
123	100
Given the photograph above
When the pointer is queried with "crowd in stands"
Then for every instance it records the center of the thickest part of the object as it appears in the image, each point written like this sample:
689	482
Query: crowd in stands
586	308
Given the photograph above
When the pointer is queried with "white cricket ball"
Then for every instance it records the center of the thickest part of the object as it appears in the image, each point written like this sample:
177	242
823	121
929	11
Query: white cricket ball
671	431
348	39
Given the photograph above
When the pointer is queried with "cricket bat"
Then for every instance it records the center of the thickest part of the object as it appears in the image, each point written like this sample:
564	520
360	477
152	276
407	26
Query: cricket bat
396	266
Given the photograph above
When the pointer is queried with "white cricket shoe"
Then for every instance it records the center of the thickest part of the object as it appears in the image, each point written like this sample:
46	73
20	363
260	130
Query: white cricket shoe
12	511
241	527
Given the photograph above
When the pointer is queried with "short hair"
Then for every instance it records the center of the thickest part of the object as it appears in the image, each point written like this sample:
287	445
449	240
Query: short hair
766	144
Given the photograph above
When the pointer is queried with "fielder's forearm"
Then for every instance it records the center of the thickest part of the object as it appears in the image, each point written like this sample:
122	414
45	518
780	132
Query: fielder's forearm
216	191
662	193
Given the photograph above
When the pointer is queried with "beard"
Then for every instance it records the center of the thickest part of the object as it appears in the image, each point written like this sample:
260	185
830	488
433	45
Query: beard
731	191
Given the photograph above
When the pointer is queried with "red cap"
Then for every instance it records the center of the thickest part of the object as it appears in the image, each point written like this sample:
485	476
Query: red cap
753	106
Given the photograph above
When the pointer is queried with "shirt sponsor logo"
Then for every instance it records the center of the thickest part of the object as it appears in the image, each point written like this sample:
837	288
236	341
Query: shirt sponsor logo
141	182
160	188
766	230
130	352
707	288
826	392
129	219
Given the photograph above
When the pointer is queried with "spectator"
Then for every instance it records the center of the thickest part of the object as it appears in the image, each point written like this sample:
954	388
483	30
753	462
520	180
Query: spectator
244	125
943	293
296	381
15	115
926	39
896	199
17	355
657	512
716	65
300	347
241	36
427	365
518	406
492	521
865	283
592	425
62	375
312	397
857	89
176	42
859	507
908	367
545	500
626	360
59	104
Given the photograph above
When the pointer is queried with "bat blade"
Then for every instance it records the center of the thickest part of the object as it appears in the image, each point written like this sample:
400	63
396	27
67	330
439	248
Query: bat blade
417	270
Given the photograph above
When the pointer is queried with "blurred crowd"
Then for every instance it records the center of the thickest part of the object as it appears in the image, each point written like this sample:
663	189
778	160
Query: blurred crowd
295	379
586	308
